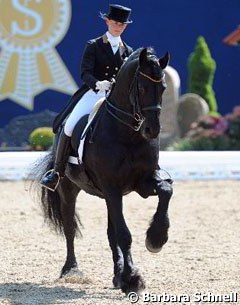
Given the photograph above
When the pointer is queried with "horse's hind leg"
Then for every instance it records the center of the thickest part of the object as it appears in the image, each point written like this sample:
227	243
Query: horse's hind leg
116	255
157	234
68	193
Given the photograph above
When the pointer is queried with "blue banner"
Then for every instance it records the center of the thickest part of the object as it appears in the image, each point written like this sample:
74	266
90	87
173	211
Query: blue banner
41	44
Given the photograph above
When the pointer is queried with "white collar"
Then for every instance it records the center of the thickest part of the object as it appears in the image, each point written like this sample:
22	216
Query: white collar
113	40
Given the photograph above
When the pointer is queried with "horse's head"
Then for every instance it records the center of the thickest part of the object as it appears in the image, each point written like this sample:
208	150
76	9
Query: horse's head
149	87
138	92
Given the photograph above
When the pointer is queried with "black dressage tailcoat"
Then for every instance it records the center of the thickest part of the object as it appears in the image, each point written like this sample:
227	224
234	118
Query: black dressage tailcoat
98	63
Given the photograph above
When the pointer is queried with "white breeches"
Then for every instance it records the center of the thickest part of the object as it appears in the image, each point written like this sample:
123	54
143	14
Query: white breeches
84	106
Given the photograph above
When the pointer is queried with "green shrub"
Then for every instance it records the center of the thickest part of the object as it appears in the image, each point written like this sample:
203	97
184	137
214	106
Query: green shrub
41	138
201	69
213	133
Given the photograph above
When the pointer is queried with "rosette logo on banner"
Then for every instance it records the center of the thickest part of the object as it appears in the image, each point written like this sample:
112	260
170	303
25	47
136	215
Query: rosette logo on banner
29	62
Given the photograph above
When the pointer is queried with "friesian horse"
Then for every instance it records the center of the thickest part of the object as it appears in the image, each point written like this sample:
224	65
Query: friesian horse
122	156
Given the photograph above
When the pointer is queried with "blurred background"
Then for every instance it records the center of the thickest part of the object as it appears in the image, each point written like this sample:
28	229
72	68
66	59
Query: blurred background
42	42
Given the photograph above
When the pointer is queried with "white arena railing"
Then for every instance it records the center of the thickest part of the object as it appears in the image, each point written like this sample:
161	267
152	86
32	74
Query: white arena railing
187	165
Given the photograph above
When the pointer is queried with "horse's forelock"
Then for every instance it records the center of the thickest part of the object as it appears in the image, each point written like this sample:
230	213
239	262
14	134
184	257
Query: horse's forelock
135	55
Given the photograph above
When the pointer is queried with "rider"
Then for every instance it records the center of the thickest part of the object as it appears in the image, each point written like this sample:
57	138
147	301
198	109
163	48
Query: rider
102	58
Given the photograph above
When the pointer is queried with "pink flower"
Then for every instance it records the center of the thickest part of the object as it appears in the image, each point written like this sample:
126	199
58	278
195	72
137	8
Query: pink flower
217	126
221	125
211	133
229	116
207	121
236	111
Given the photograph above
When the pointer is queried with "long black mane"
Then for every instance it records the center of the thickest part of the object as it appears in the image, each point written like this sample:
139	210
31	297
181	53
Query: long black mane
132	61
128	70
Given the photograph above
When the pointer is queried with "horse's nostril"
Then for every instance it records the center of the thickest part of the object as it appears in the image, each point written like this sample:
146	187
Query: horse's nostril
147	130
151	132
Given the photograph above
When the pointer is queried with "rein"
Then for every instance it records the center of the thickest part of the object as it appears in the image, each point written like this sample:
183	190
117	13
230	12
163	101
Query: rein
137	116
138	119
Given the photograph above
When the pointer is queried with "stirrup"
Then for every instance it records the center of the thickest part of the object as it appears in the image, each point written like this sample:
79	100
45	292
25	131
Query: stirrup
46	174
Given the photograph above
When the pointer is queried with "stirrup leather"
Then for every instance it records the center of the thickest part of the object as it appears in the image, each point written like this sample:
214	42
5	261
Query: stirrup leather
46	174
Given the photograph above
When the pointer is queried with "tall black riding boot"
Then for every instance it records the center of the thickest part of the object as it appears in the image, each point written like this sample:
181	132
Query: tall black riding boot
52	177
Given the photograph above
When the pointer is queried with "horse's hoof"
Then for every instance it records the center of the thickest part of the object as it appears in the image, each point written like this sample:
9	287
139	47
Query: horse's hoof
150	248
133	284
73	272
73	276
117	282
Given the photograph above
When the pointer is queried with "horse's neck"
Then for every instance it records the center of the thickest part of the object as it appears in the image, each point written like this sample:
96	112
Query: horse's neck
120	99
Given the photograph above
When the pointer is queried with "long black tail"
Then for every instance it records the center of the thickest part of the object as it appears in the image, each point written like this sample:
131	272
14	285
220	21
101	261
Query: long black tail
50	201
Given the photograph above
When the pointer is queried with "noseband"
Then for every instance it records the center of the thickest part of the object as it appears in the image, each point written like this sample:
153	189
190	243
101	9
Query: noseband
151	79
137	116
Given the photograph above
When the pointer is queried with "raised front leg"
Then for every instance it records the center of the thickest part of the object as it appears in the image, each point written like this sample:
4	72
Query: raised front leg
131	280
157	233
68	193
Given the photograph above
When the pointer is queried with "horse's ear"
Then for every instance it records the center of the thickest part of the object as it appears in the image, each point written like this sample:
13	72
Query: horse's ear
164	60
143	57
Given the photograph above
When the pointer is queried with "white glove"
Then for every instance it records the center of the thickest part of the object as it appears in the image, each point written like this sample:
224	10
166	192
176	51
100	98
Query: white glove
103	85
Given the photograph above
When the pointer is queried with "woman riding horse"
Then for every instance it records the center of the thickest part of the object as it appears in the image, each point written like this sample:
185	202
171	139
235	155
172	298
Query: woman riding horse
123	157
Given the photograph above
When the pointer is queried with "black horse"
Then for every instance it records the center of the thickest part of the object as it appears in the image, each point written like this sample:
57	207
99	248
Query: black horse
121	157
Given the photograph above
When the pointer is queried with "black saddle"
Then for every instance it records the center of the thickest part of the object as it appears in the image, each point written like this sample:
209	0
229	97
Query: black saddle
78	134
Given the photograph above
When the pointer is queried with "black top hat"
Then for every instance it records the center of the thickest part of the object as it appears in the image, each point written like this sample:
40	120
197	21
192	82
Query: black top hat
118	13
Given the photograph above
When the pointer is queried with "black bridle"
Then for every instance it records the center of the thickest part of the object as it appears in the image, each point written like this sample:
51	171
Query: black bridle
136	116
